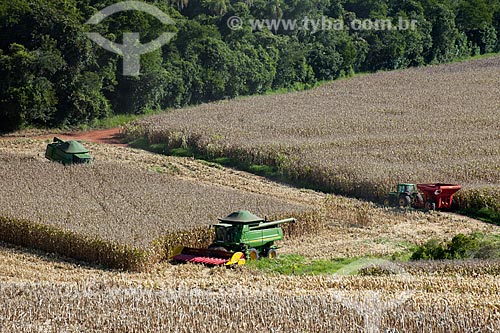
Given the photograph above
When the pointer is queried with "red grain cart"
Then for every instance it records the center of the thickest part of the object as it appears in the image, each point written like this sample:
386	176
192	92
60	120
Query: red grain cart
438	196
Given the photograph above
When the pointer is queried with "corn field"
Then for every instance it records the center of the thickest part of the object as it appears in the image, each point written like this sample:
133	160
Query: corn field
361	136
115	215
357	137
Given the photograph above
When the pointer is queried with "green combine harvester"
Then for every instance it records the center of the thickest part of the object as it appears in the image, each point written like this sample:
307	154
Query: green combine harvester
238	237
67	152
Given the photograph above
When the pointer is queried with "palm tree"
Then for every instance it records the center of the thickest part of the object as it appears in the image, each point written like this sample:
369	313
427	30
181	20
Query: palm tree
274	8
217	7
181	4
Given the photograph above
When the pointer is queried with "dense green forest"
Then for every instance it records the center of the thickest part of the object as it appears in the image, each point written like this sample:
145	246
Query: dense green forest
52	74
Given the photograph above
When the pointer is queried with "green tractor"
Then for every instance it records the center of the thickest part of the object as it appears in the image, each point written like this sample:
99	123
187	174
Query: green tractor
406	195
67	152
238	237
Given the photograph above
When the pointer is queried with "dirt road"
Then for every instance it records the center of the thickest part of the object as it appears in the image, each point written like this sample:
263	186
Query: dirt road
111	136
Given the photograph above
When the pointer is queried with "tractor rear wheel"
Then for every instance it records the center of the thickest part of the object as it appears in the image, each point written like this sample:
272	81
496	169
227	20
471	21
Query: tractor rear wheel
404	201
272	254
253	254
387	202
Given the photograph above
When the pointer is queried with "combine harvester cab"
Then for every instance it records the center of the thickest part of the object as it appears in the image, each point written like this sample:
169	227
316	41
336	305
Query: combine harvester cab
438	196
238	237
67	152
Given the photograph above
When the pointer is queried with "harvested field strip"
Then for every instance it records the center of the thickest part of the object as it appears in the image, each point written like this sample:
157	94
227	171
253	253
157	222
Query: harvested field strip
357	137
471	268
57	296
119	216
68	308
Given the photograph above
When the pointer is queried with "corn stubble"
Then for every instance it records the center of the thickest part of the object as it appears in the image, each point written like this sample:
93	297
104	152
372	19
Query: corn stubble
114	215
92	308
361	136
63	297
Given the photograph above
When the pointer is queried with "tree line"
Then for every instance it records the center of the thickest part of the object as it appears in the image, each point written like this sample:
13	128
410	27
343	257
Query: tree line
52	74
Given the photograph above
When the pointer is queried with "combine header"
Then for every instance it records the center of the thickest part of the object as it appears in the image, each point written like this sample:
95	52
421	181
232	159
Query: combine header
238	237
209	257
